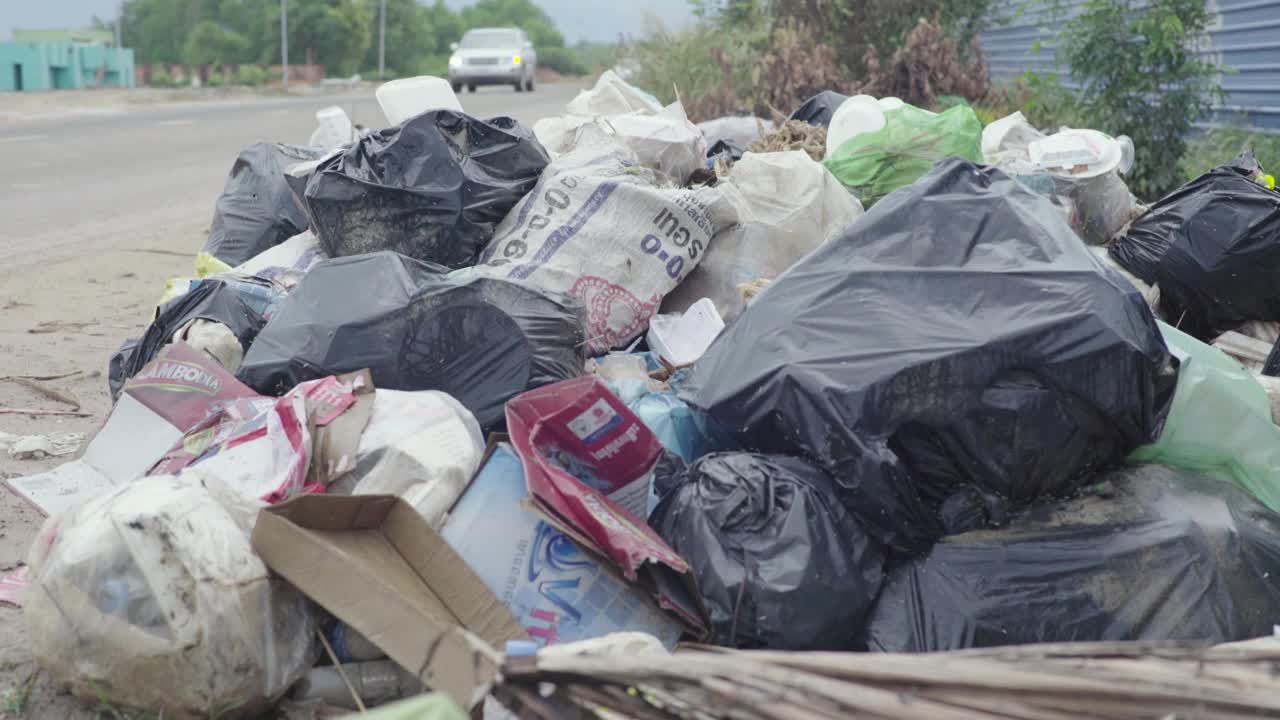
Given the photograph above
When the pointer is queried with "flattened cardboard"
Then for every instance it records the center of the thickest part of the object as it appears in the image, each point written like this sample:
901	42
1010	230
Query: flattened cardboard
172	394
375	564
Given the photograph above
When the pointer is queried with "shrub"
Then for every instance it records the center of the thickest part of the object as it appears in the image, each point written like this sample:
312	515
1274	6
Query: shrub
1219	145
1141	77
160	78
711	70
563	60
437	65
251	75
1040	96
928	65
762	71
216	79
863	29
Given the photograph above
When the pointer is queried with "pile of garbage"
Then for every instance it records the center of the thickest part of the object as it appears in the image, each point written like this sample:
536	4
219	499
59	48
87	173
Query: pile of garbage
458	398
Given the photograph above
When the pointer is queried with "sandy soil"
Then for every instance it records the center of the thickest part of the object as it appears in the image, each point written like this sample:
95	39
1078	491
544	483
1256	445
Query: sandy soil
62	314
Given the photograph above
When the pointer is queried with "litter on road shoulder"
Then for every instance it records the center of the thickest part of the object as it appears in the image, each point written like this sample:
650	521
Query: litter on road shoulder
868	411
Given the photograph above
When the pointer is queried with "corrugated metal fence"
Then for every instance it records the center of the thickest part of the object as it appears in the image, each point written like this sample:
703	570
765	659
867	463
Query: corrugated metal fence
1244	38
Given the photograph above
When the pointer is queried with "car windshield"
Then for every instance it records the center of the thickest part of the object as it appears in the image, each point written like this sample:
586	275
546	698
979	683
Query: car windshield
490	39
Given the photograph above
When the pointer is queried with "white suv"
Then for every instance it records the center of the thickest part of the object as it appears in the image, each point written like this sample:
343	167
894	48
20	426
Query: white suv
493	56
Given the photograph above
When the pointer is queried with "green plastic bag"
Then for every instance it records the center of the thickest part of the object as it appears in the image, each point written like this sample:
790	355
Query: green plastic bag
875	164
1220	423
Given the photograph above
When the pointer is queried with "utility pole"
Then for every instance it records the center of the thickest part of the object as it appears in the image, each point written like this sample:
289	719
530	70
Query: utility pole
284	41
119	17
382	41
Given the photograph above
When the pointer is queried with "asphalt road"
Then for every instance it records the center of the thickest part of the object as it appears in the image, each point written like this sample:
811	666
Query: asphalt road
68	183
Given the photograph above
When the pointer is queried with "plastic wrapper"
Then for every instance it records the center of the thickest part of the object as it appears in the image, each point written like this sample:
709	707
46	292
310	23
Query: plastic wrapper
483	340
259	447
256	210
1152	553
240	304
1212	246
149	596
819	109
1219	424
432	188
956	353
779	562
873	164
788	205
285	264
614	235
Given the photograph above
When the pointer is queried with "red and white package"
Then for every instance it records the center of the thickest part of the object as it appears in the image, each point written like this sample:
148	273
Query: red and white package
588	461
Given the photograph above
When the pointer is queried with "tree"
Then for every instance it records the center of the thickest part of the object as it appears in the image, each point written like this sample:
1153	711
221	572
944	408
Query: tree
853	27
446	27
157	29
212	44
523	14
409	36
1141	77
336	33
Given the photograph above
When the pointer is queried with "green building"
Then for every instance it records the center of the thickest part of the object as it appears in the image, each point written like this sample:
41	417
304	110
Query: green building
63	60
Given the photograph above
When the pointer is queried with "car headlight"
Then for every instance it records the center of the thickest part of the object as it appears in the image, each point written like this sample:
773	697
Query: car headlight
515	60
454	61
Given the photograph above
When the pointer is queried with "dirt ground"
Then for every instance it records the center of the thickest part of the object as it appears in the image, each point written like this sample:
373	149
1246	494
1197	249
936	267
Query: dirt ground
61	314
105	196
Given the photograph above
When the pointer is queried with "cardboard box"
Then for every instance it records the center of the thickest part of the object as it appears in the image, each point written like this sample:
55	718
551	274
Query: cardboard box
555	589
376	565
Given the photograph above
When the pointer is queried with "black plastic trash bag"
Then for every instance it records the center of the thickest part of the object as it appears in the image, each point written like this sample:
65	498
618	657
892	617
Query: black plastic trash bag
118	367
1213	247
724	149
1154	553
256	210
956	353
240	303
483	341
779	562
432	188
818	109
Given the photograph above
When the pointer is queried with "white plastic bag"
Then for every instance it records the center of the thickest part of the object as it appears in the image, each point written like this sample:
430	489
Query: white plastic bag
788	206
423	446
738	130
150	596
612	234
612	96
662	138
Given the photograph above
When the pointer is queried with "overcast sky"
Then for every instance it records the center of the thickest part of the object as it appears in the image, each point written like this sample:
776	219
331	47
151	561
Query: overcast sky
577	19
